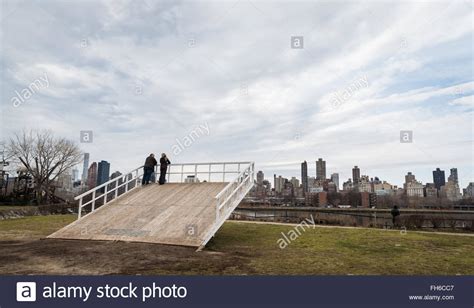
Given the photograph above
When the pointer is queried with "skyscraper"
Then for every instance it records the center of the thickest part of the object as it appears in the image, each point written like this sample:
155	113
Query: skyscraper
295	182
103	172
75	174
304	176
320	169
275	182
409	177
260	178
335	180
439	178
92	176
355	175
84	168
260	188
453	175
279	183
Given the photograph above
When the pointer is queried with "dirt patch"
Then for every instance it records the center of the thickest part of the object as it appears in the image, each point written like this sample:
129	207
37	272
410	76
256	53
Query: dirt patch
78	257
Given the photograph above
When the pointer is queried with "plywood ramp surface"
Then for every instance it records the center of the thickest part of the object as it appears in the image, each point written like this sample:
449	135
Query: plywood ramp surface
176	214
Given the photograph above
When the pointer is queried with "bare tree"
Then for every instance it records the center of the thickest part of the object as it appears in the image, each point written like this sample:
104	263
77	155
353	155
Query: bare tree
45	157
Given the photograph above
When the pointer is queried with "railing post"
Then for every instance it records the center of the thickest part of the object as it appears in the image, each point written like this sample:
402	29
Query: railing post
116	190
93	201
136	178
182	173
105	194
209	172
126	182
223	173
169	172
79	209
195	171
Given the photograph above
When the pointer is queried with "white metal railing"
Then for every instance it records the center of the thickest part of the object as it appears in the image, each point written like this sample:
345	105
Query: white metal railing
243	173
109	190
176	172
229	198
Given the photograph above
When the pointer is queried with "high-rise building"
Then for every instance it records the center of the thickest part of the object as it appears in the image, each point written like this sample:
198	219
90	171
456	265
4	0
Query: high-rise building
275	182
409	177
320	169
304	176
414	189
84	168
335	180
75	174
92	176
453	175
347	186
451	190
64	181
469	191
383	188
332	187
355	175
439	178
103	172
260	177
430	190
260	188
364	184
279	183
295	182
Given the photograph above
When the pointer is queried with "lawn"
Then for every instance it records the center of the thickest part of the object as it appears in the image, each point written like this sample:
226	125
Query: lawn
33	227
238	249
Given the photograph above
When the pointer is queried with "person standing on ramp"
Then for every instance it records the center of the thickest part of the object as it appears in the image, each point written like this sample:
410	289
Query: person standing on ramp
164	162
148	169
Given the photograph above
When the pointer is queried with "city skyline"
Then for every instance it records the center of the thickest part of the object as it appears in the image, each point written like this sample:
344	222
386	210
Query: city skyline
307	165
400	184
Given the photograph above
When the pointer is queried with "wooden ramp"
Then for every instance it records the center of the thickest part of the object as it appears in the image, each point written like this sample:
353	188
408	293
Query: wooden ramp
174	213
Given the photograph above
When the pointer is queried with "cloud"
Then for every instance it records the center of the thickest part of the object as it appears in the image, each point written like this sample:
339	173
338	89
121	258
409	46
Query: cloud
142	73
465	101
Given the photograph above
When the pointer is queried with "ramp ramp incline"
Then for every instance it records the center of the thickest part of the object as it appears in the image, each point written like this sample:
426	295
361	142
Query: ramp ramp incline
185	214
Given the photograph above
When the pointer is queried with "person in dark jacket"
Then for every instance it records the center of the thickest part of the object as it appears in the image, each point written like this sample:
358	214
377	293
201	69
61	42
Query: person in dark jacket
164	162
148	168
395	213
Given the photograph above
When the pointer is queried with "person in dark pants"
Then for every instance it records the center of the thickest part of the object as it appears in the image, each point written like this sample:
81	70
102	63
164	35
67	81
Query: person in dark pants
164	162
395	213
148	168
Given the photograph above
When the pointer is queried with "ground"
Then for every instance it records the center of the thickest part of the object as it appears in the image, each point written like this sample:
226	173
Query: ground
237	249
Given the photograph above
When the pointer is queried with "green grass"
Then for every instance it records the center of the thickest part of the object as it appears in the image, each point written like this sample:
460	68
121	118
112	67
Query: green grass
347	251
33	227
245	248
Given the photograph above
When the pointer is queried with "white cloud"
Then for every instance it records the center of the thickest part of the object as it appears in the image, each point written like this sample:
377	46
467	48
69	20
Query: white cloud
466	101
242	77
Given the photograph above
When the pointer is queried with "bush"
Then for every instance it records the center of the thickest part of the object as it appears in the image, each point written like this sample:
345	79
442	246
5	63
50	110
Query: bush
437	222
414	221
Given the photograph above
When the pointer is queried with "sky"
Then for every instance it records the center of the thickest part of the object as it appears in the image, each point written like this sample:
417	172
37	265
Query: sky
275	82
